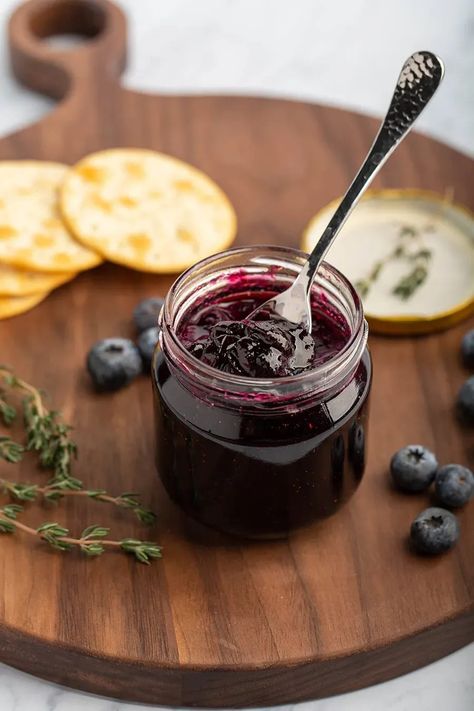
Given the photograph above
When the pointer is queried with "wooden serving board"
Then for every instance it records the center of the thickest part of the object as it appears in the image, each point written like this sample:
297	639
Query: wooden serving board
219	621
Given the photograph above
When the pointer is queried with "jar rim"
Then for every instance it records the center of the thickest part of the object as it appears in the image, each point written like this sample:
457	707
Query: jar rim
355	343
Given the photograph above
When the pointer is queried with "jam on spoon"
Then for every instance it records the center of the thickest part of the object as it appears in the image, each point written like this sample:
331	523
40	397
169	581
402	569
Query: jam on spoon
258	349
222	336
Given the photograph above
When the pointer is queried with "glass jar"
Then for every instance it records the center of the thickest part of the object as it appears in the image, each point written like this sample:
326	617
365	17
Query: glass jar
258	457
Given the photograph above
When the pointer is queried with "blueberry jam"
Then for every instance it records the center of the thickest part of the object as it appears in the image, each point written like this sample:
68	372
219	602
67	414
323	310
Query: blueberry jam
260	466
221	336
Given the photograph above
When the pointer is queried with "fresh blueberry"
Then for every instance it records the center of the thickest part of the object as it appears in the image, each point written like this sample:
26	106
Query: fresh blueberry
465	402
454	485
146	343
145	314
113	363
434	531
467	349
413	468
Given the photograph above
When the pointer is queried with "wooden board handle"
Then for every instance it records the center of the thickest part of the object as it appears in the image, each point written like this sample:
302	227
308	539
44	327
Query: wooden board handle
54	72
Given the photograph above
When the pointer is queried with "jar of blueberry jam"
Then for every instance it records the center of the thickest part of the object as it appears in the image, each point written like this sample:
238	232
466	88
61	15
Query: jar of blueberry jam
248	443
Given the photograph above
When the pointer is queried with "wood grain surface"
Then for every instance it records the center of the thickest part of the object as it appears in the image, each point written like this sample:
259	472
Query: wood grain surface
220	621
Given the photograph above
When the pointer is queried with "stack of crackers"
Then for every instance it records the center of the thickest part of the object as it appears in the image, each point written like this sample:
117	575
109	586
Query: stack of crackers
138	208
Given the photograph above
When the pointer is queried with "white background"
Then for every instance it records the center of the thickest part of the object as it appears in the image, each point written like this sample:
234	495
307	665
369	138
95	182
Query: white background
343	52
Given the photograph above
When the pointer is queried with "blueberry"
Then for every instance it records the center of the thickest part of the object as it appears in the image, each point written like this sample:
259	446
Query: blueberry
413	468
467	349
454	485
434	531
465	402
145	314
146	343
113	363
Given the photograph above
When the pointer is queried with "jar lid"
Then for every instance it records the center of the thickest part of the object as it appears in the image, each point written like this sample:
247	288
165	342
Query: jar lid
410	254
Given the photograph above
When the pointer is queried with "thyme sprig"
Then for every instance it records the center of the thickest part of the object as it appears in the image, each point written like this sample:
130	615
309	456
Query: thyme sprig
50	439
93	540
10	451
410	283
47	435
403	250
53	492
7	412
364	285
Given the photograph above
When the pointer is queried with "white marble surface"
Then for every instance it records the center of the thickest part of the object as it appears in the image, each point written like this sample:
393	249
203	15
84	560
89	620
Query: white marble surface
446	685
345	52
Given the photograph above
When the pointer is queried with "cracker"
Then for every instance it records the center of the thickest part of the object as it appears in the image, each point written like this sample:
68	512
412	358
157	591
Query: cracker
14	305
32	233
146	210
22	282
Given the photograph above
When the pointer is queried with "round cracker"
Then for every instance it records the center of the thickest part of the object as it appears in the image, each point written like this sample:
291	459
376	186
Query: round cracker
22	282
14	305
146	210
32	233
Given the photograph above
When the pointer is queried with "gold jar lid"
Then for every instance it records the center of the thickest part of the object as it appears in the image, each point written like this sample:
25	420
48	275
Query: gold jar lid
410	254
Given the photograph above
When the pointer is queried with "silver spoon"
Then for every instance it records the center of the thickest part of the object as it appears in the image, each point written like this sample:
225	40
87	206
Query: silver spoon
420	77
